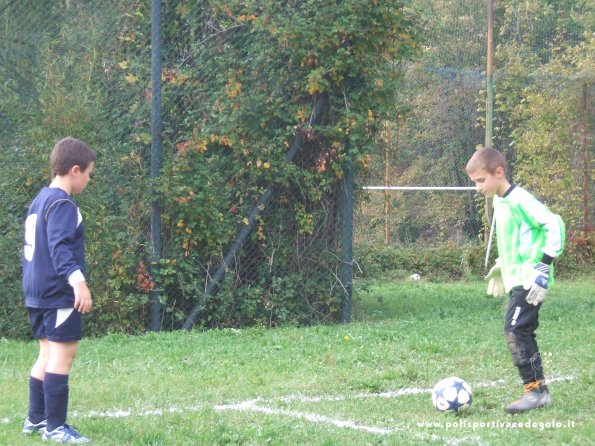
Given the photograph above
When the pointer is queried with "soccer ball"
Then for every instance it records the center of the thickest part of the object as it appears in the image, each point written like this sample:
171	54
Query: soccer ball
414	277
451	395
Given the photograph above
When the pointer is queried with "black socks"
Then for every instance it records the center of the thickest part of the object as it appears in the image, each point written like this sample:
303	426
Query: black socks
56	399
36	401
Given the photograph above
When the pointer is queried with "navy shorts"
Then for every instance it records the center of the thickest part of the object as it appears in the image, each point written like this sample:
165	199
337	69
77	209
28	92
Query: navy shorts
58	325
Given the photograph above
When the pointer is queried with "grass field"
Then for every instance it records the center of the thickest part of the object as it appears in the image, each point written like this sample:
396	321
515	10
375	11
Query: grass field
365	383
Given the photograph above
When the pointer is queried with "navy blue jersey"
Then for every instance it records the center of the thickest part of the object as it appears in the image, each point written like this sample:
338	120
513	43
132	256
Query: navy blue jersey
53	249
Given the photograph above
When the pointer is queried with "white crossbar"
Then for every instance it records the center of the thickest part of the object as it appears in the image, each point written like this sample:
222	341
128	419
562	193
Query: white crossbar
429	188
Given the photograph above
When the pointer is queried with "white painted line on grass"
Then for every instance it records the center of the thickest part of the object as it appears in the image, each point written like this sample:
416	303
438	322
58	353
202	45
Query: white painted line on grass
125	413
314	418
315	399
301	398
252	404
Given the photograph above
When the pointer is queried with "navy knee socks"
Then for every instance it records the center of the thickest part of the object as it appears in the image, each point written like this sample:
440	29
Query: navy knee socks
36	401
55	388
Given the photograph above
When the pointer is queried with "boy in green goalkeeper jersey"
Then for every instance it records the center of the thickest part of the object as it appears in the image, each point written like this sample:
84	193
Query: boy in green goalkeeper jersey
529	236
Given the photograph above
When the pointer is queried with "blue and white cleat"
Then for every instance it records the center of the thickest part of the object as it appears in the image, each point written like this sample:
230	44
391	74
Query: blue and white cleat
32	428
64	434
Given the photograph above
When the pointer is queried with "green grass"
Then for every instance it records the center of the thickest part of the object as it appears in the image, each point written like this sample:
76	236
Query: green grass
405	335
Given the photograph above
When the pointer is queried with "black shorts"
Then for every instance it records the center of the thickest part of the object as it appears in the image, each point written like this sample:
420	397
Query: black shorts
58	325
521	316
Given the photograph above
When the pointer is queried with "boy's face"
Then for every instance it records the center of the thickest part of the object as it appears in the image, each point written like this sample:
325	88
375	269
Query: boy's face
490	184
80	178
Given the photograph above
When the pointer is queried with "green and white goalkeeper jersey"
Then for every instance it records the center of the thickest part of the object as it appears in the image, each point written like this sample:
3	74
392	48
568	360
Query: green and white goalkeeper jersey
525	230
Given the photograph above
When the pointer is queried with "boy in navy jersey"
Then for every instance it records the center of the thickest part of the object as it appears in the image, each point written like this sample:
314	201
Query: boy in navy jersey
56	293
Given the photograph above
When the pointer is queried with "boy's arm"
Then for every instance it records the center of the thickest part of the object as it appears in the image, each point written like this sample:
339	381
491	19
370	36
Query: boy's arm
540	216
62	222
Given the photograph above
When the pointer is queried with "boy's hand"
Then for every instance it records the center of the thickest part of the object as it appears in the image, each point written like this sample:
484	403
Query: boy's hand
82	297
495	282
537	283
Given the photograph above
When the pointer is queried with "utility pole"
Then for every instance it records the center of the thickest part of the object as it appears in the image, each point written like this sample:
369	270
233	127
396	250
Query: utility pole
489	136
584	143
387	183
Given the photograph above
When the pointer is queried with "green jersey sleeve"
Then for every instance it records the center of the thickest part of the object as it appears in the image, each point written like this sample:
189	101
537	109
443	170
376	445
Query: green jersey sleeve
526	230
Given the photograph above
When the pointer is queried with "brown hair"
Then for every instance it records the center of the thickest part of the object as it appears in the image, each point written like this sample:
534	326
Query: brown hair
69	152
488	160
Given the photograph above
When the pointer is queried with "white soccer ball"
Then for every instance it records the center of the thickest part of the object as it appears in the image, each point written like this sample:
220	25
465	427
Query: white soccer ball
415	277
451	395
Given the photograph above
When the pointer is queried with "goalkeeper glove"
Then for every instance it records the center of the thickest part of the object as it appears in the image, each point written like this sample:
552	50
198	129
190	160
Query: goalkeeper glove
537	283
495	282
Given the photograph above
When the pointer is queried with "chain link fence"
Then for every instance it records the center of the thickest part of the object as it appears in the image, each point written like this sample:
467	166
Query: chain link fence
434	129
544	84
253	225
249	236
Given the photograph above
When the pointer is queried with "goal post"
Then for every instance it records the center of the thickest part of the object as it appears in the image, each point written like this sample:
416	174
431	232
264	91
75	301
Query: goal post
420	188
417	214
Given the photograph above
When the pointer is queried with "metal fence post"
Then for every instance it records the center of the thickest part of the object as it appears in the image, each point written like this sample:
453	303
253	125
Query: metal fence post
156	144
347	238
489	135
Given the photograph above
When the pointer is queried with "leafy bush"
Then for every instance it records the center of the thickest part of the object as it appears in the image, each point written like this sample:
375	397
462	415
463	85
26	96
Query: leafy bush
443	262
239	83
265	69
447	262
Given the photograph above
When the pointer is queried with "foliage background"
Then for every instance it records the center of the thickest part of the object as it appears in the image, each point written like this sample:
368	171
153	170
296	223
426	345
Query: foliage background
240	81
543	63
